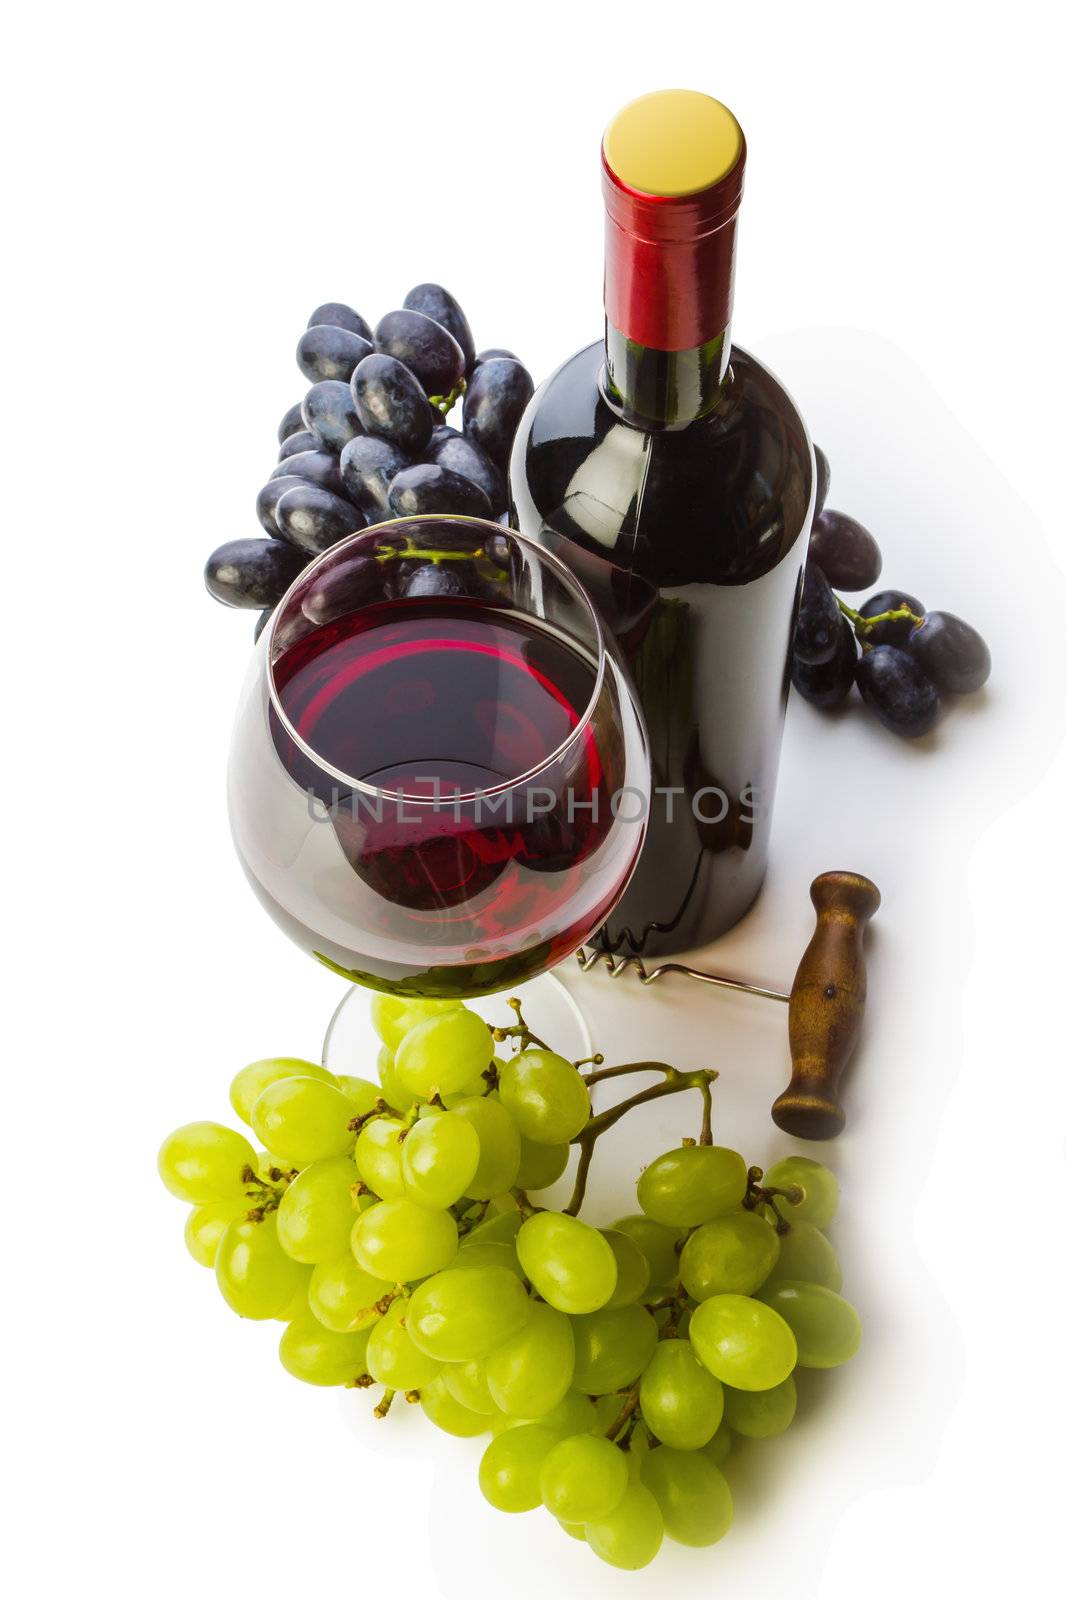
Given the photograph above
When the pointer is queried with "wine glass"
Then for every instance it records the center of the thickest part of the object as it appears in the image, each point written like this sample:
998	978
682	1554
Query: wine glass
439	775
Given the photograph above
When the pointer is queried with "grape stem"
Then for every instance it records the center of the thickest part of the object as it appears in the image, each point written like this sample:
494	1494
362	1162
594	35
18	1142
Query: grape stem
674	1082
444	402
379	1109
525	1204
382	1408
413	552
630	1405
378	1309
864	625
621	1072
518	1030
758	1195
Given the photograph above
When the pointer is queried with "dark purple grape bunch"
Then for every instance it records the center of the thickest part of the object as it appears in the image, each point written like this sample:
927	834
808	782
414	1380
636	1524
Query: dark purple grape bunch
900	656
370	441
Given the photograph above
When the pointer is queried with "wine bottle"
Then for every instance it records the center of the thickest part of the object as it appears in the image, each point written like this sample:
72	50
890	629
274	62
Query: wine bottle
676	477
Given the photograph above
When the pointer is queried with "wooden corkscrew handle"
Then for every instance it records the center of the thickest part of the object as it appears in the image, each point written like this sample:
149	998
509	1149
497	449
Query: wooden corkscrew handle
826	1005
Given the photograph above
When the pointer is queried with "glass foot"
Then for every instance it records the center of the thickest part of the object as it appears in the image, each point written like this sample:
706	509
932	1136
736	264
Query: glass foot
351	1044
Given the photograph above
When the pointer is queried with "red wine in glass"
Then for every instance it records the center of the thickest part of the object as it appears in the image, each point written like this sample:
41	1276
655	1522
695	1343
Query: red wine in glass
460	759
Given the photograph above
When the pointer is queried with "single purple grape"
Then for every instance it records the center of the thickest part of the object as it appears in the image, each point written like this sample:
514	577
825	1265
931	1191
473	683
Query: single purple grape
426	488
392	404
817	620
436	302
845	551
425	348
952	653
326	351
828	684
330	414
898	691
312	519
252	573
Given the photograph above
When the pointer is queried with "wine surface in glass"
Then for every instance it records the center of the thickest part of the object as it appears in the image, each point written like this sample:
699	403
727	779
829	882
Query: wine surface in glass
408	695
471	838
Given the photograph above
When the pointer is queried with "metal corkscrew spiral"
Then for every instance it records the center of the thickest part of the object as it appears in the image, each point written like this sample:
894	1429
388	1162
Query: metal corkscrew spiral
826	1001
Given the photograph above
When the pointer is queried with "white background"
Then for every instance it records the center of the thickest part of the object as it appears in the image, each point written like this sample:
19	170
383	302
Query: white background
182	188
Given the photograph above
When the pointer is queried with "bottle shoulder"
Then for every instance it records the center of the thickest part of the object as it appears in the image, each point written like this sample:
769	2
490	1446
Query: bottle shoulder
722	500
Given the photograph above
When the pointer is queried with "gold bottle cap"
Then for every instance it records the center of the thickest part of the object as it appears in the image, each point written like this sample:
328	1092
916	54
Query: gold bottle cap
673	142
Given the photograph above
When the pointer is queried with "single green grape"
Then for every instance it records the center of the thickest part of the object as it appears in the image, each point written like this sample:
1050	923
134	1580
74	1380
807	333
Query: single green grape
530	1373
806	1256
693	1496
570	1264
733	1254
316	1212
541	1165
818	1183
463	1315
394	1015
340	1291
392	1358
392	1090
510	1472
303	1120
467	1384
444	1053
316	1355
762	1414
251	1081
720	1444
743	1342
256	1277
446	1412
499	1145
612	1347
685	1187
827	1328
631	1534
400	1241
631	1268
361	1093
378	1152
659	1246
546	1096
438	1159
205	1226
576	1530
681	1401
583	1478
575	1413
204	1161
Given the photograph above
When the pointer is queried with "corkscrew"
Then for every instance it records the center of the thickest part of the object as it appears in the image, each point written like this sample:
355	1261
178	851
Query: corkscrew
825	1002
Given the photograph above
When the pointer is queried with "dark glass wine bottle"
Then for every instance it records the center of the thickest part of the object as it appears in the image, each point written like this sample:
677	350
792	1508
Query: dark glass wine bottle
676	476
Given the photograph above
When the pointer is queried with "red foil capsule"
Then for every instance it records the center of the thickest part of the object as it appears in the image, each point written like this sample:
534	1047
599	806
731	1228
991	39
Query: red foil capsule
669	259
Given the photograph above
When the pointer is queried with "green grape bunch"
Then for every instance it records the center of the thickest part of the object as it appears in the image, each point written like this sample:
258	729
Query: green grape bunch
394	1229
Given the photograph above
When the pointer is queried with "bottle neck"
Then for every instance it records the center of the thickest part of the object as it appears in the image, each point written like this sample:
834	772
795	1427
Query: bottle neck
665	388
